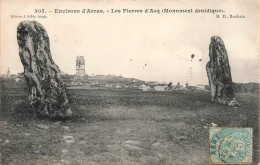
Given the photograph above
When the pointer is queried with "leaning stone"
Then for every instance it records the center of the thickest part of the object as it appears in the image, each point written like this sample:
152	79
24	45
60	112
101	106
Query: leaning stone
47	91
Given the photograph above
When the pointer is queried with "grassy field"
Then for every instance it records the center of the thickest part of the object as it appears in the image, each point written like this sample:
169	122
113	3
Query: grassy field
120	127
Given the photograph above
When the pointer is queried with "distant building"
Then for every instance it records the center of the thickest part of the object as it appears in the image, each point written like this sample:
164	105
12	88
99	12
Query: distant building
201	87
80	66
8	73
161	88
17	79
144	87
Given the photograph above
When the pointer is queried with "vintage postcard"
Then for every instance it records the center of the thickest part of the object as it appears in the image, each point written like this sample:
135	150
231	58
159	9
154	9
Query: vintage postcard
129	82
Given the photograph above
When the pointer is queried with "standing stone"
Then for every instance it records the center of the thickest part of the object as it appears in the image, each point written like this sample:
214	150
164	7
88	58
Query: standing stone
47	91
219	74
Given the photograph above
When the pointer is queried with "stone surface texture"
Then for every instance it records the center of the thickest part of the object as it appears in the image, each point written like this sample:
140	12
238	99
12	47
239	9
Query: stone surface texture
219	73
47	92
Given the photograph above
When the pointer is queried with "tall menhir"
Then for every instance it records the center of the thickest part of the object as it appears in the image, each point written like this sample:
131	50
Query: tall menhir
80	66
219	73
47	91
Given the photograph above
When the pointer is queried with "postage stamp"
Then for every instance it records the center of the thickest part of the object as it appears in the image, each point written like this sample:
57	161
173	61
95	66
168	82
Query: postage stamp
230	145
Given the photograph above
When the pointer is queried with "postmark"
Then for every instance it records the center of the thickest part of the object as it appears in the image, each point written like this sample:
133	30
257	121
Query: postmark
230	145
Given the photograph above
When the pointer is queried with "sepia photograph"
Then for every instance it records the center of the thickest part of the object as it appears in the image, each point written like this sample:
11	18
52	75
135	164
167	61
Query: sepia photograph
133	82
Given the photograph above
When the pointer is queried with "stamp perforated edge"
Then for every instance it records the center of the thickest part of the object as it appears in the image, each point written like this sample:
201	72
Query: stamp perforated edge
209	159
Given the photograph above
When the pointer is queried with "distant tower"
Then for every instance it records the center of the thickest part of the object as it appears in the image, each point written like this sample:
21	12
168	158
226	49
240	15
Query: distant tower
80	66
8	73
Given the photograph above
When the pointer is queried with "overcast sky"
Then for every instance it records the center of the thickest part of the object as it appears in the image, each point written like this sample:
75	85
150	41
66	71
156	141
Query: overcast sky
145	46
